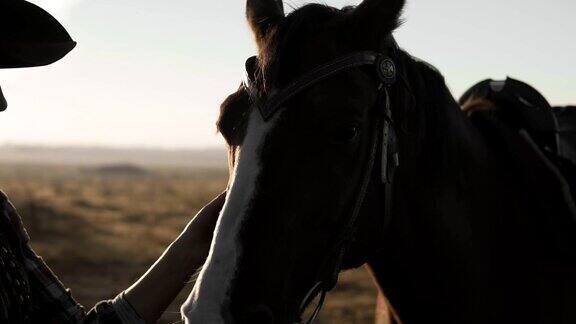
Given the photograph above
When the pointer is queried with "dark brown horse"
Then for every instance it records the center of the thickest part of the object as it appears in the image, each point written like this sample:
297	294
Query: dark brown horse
474	232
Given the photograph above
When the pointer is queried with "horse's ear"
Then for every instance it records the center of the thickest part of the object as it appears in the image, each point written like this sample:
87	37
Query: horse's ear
262	15
374	19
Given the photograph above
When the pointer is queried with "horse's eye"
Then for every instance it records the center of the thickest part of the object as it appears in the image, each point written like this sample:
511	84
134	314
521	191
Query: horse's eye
345	133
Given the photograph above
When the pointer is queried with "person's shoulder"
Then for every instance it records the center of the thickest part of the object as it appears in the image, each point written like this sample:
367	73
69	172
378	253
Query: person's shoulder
5	204
3	197
9	215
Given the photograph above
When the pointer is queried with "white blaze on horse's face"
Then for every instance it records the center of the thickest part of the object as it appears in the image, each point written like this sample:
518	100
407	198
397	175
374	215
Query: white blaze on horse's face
208	301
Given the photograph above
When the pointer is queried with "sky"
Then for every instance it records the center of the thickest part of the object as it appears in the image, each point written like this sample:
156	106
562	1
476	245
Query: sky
151	73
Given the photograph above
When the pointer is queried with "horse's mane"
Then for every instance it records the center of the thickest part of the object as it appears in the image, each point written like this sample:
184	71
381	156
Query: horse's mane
283	42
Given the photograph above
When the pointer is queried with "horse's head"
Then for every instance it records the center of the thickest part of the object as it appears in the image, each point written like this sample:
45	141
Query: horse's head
296	172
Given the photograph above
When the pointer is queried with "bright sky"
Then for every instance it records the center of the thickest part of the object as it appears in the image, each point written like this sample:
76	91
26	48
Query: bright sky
153	73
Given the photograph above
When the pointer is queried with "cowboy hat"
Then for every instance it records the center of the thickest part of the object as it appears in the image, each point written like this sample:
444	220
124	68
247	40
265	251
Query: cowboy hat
30	36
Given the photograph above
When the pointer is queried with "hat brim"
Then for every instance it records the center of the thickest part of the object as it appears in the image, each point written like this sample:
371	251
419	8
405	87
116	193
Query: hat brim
30	36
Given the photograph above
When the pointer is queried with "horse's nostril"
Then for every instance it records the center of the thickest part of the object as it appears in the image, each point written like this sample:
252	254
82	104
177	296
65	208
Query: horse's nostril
259	314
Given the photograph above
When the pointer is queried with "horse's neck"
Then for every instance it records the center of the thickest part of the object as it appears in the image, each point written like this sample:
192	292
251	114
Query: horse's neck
448	153
446	196
469	243
461	175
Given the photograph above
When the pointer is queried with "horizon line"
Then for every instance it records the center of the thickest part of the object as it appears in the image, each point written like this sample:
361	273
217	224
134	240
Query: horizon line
9	144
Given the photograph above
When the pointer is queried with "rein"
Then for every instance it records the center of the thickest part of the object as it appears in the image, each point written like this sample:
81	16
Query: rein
270	104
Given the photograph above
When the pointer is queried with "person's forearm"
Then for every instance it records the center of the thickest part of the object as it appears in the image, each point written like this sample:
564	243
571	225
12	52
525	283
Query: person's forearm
158	287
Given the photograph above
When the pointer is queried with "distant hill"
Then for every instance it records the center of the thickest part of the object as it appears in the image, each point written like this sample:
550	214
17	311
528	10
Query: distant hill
98	156
119	170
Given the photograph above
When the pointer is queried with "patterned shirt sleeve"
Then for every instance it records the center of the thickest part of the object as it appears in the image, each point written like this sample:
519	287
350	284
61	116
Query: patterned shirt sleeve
51	301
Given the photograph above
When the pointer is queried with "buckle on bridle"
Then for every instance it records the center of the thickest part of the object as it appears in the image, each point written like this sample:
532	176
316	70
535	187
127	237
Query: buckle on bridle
317	288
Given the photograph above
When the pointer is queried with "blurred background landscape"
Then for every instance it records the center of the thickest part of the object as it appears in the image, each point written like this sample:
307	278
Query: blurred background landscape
100	217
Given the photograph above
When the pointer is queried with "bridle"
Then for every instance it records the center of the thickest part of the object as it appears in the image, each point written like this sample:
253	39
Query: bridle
269	104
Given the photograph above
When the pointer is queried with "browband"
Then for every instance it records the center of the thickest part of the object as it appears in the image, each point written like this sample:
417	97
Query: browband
385	69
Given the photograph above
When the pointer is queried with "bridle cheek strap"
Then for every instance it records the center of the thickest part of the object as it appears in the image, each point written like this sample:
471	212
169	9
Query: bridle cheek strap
330	278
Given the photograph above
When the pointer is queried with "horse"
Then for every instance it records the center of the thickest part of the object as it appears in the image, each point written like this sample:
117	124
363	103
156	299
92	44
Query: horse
346	150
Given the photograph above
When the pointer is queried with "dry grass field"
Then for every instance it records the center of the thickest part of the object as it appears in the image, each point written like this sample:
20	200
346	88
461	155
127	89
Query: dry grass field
100	228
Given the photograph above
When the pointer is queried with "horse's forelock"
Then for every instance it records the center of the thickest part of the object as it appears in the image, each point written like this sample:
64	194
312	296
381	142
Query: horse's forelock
285	39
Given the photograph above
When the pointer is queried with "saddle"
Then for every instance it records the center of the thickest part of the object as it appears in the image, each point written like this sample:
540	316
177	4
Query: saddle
566	117
533	130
